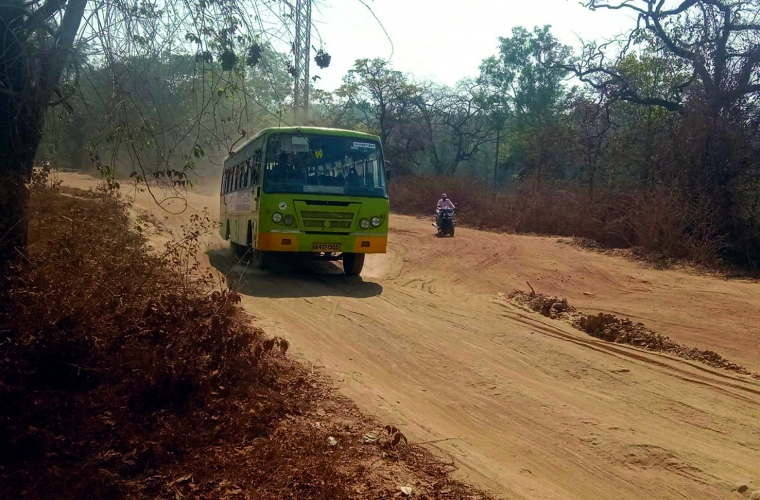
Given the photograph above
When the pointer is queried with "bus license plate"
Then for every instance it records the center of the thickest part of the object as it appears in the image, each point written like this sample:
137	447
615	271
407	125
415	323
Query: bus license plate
325	247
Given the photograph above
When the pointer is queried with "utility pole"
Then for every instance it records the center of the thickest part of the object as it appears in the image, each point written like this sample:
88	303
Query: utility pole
302	50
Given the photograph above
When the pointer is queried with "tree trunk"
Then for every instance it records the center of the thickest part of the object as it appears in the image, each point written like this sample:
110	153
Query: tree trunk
20	133
19	139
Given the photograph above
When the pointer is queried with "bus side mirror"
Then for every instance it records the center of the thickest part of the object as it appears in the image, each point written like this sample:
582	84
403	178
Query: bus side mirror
387	170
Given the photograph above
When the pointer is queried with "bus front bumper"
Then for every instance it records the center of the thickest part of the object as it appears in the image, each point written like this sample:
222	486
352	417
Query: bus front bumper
302	242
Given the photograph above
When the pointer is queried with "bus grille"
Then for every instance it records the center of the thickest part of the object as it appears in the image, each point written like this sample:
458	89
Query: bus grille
334	220
337	224
308	214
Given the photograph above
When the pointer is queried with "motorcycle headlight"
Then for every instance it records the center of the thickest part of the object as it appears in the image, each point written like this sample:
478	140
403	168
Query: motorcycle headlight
375	221
277	217
289	220
364	224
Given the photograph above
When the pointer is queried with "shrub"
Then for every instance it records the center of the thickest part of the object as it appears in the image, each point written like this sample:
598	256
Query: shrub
657	220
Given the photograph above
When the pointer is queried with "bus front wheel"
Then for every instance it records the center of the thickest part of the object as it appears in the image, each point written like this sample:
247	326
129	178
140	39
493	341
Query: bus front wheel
260	259
240	251
353	263
257	259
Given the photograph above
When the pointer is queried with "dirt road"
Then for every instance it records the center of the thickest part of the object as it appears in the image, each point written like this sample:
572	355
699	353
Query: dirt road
526	406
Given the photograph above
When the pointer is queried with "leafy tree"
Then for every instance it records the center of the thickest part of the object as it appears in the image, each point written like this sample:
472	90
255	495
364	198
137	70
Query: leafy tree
527	76
525	83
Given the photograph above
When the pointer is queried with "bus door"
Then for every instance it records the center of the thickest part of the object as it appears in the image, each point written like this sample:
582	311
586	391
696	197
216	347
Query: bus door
254	175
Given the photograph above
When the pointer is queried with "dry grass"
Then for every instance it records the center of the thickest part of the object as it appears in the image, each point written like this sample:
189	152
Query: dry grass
125	374
658	222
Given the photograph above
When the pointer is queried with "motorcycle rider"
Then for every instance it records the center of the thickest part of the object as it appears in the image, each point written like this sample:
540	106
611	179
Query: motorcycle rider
443	203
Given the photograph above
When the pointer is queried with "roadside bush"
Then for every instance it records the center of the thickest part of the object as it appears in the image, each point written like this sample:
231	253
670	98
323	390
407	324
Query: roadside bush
657	221
104	342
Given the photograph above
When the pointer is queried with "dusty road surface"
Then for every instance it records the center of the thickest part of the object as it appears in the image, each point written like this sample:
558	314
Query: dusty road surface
526	406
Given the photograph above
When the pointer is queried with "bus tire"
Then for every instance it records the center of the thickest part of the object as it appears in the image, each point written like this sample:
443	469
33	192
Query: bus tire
353	263
260	259
242	252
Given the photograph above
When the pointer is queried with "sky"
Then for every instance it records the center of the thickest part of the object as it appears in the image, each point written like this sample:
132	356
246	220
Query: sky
444	40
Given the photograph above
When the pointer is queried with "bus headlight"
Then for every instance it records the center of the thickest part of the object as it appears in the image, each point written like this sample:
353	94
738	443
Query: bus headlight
277	217
364	224
289	220
375	221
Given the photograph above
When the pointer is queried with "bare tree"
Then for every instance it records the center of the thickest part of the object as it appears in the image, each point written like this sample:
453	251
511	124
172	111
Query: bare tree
38	69
714	45
458	124
719	40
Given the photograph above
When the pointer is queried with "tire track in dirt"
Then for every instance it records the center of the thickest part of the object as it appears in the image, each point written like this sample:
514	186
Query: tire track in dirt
455	350
646	357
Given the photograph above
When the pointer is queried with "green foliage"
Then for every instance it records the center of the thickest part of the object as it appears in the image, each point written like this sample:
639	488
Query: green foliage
526	78
524	89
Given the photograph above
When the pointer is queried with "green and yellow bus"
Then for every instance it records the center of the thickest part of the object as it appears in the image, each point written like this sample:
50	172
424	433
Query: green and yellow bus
306	190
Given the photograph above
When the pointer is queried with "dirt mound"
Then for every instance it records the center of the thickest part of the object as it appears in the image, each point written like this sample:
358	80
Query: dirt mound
620	330
624	331
549	306
585	243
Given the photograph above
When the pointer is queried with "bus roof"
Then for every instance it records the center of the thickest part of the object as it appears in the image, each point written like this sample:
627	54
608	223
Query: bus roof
309	131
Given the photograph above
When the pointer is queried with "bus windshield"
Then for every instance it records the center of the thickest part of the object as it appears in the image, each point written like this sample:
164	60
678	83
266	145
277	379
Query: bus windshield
319	164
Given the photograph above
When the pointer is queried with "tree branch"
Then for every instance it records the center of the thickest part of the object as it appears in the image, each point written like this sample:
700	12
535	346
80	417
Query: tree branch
64	39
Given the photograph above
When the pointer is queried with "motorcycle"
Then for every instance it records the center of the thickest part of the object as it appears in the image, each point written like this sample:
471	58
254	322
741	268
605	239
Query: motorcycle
447	222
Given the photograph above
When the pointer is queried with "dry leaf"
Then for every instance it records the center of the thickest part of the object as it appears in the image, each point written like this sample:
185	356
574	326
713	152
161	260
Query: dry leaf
284	345
182	479
390	429
397	439
130	457
369	438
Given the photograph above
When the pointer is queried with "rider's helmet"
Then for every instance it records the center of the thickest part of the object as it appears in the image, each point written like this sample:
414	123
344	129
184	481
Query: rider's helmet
444	196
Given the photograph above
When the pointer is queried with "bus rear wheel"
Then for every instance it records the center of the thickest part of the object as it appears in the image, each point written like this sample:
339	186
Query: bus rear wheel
353	263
